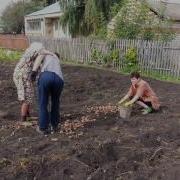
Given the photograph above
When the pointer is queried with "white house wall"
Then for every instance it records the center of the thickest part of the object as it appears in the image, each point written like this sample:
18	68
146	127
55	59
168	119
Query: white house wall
57	32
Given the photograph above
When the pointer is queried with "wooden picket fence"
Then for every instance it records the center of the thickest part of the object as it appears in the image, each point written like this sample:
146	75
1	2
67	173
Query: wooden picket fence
152	56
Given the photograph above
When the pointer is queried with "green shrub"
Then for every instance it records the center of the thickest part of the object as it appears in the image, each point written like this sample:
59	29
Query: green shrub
131	56
9	55
131	63
105	58
96	56
114	54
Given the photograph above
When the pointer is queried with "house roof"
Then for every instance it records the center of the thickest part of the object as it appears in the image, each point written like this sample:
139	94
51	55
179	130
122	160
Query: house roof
54	8
170	7
171	1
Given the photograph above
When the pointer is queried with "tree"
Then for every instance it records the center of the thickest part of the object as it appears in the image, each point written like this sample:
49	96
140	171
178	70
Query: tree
84	17
39	2
13	15
49	2
136	20
44	2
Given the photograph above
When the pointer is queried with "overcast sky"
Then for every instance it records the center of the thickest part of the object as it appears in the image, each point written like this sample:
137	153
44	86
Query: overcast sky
3	4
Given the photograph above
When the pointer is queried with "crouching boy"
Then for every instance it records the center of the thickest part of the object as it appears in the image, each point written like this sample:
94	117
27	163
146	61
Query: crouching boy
142	94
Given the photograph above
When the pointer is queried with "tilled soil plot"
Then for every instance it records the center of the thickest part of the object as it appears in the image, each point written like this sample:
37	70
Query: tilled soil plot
94	143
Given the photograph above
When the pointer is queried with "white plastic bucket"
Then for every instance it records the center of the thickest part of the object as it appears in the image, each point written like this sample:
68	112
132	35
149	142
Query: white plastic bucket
125	112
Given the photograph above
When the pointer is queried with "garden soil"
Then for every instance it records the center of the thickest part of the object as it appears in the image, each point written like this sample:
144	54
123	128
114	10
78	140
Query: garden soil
93	142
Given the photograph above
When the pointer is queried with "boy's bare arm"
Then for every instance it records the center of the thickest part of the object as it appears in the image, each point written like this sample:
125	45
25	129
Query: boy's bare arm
124	99
134	99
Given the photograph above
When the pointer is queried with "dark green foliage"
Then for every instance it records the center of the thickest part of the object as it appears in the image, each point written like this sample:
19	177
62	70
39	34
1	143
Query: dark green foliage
84	17
13	15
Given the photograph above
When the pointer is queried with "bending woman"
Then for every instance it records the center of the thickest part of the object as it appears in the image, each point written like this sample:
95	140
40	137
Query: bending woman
21	78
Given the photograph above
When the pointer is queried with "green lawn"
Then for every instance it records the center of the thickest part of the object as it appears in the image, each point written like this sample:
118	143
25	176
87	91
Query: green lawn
9	55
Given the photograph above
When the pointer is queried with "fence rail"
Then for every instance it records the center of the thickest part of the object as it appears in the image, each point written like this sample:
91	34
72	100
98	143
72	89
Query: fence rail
152	56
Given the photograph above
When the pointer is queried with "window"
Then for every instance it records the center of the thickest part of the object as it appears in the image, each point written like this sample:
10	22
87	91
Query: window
34	25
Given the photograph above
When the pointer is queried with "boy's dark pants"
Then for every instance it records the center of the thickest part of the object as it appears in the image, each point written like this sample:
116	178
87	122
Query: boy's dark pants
49	85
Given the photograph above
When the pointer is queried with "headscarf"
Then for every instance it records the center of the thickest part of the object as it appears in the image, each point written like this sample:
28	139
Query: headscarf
34	49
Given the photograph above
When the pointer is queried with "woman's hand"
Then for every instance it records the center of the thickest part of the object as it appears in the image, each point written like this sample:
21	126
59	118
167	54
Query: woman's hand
33	76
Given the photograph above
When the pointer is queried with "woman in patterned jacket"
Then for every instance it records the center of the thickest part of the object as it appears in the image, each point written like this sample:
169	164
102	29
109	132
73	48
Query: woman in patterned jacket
21	78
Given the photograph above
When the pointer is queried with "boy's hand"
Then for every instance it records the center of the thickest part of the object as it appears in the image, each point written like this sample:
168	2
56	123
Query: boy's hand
120	102
128	104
